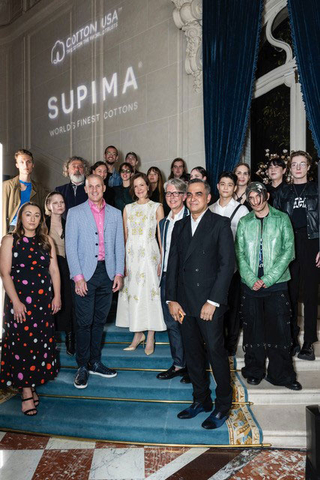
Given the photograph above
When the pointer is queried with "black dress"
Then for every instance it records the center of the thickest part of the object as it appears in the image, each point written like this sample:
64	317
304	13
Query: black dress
122	197
29	350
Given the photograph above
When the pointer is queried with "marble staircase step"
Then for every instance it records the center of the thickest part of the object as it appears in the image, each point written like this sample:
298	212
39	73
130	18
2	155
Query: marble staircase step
267	394
283	426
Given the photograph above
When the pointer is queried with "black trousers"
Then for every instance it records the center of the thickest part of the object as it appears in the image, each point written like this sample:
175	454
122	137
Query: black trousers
266	333
203	341
91	314
64	319
305	273
232	317
174	330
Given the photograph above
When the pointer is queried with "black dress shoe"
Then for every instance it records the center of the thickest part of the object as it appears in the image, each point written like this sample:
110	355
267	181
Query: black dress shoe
307	352
171	373
193	411
185	378
215	420
70	343
294	386
254	380
250	379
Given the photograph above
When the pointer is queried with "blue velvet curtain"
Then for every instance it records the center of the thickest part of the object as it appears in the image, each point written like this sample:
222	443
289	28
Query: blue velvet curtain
305	27
231	31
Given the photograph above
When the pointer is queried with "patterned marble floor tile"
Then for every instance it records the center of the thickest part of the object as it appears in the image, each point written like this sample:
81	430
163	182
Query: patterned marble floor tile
207	464
236	464
273	465
18	464
171	468
118	464
157	457
67	444
64	465
20	441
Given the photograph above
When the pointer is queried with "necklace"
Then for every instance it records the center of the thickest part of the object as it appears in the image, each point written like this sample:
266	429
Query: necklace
295	191
238	199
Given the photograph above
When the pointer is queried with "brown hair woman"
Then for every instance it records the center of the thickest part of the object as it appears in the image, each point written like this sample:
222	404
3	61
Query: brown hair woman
31	279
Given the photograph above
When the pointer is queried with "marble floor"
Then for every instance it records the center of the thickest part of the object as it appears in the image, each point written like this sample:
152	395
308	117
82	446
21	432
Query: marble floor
30	457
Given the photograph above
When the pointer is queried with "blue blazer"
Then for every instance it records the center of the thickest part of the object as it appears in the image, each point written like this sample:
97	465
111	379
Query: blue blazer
82	243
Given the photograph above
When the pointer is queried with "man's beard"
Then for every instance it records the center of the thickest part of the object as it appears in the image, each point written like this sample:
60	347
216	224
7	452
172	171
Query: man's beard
110	163
77	178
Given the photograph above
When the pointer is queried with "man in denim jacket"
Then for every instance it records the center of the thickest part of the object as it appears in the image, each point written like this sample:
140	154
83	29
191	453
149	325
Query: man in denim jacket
264	250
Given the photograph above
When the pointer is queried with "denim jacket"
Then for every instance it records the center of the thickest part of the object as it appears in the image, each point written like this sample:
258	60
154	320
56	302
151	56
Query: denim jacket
278	247
114	179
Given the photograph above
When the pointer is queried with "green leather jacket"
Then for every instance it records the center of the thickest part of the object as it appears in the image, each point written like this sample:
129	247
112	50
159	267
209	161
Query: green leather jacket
278	247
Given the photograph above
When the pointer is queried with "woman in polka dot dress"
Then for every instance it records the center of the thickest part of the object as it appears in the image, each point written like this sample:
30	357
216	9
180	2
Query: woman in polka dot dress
29	270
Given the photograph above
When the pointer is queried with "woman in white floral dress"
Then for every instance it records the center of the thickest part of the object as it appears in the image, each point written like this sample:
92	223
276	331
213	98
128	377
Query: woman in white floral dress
139	303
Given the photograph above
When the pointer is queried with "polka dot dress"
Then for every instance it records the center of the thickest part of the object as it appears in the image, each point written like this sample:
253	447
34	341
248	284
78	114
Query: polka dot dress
29	351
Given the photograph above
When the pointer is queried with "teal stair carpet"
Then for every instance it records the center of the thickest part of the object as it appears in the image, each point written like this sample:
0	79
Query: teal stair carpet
133	407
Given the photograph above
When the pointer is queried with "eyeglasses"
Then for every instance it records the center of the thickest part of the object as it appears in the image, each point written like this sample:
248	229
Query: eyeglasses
125	171
173	194
301	165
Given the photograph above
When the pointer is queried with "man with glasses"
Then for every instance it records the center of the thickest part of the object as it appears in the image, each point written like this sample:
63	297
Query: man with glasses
200	268
132	158
111	156
300	201
175	193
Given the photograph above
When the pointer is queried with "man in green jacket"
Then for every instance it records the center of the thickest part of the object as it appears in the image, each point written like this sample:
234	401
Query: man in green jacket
264	250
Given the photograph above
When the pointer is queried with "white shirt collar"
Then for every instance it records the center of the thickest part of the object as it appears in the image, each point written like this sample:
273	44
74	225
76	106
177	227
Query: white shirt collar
178	216
200	216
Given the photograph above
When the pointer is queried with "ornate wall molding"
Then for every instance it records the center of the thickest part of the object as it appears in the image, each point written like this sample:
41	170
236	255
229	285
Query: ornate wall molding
187	16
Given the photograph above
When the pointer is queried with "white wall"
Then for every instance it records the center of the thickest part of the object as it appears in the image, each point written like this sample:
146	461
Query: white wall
168	120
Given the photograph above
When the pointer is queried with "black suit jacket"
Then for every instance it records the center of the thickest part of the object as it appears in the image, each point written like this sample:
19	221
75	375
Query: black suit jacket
200	268
70	199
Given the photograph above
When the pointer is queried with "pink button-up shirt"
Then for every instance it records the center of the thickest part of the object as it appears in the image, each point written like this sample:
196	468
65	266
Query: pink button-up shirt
98	216
99	219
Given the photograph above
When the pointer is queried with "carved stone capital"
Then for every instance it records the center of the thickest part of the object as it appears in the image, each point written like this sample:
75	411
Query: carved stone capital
187	16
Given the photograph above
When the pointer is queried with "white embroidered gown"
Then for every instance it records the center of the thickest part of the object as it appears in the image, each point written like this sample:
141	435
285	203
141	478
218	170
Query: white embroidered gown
139	302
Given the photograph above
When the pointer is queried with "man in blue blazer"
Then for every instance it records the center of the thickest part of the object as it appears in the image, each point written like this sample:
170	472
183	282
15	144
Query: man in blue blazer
95	255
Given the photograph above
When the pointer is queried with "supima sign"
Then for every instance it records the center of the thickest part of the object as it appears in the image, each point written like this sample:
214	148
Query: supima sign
84	35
